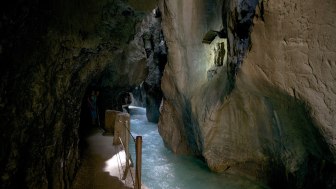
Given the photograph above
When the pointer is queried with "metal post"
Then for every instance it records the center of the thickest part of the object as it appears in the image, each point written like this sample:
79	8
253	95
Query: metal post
138	151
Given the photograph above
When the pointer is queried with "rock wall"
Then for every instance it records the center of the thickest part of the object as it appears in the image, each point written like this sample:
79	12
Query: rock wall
184	24
149	93
156	51
50	52
267	112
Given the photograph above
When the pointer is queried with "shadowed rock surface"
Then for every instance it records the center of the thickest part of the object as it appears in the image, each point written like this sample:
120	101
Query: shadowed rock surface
268	111
156	50
144	59
50	53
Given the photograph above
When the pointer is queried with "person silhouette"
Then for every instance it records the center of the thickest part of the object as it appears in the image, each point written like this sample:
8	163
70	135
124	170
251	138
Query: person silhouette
92	103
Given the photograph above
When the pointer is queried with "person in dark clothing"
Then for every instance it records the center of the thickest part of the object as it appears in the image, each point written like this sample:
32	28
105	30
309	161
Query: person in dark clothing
92	103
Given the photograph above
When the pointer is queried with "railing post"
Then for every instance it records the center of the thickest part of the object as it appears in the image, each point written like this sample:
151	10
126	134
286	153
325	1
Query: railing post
138	151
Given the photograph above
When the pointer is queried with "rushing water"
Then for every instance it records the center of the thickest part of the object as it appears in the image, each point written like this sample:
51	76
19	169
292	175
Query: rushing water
161	169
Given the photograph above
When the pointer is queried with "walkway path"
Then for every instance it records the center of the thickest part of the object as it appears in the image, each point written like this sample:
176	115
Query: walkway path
92	174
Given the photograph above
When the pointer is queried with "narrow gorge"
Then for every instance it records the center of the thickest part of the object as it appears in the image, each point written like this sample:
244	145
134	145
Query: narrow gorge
248	87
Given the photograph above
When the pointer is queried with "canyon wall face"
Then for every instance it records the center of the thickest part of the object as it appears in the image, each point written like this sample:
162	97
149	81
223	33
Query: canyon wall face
146	50
156	51
50	52
268	109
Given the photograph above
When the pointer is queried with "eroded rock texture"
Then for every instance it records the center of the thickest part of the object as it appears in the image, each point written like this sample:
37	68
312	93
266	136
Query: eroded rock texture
156	50
148	50
50	52
268	111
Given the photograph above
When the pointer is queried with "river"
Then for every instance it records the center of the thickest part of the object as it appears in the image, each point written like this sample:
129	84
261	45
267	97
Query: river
162	169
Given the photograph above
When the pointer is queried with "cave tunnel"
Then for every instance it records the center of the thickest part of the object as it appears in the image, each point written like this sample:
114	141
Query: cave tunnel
225	93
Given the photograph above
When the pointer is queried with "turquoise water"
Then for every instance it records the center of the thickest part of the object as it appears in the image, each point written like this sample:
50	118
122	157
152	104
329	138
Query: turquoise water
161	169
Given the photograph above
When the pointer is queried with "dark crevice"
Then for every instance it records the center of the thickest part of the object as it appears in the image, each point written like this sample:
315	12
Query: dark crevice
262	10
239	30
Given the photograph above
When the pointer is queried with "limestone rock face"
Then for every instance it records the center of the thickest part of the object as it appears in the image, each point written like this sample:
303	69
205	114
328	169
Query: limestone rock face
50	52
150	37
156	50
267	111
184	24
126	70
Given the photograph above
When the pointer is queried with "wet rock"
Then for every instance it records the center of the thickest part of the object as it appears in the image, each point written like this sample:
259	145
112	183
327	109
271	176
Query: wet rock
267	112
145	60
156	52
139	96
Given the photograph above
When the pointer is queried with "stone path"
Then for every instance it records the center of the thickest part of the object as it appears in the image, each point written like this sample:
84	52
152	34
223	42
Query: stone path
93	172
